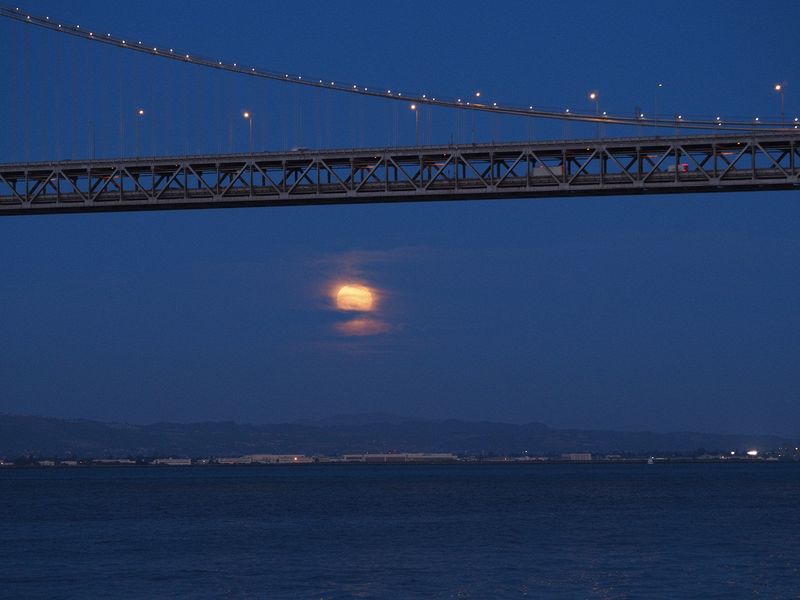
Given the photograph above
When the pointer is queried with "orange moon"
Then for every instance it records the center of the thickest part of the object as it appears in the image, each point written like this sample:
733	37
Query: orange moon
355	297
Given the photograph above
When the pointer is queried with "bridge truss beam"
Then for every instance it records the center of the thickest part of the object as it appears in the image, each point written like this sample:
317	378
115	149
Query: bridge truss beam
484	171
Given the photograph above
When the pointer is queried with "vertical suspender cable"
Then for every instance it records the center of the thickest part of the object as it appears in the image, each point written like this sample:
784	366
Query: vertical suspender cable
298	118
155	113
285	117
72	75
164	132
121	100
13	98
265	118
56	86
217	112
395	126
317	123
429	117
185	118
26	96
40	82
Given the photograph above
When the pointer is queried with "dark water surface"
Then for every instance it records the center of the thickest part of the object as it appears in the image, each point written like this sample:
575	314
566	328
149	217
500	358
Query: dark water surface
450	531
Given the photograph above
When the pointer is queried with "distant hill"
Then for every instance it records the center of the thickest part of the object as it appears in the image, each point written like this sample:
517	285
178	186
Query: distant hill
40	436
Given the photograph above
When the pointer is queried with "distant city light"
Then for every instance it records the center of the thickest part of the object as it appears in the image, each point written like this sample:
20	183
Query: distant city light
752	453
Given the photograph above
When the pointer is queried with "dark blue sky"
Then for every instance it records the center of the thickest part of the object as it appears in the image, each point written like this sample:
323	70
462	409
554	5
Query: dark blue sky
654	312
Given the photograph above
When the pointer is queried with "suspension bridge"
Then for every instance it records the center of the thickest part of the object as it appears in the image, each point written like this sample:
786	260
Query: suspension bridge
710	154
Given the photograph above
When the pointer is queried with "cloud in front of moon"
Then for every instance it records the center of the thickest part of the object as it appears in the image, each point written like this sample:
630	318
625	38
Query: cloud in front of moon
362	326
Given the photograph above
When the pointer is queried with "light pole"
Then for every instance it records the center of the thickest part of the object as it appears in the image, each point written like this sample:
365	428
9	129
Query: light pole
416	123
779	89
249	116
477	97
659	85
594	97
639	117
139	116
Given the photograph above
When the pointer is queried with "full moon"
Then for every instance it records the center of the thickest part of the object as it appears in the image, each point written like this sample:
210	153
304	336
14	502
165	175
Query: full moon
354	297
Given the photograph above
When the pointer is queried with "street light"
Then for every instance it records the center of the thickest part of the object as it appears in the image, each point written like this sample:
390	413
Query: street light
477	95
139	116
659	85
594	97
247	115
416	122
779	89
639	117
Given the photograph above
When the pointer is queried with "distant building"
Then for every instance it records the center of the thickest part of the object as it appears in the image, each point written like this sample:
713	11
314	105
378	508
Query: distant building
401	457
283	459
266	459
233	460
173	462
577	456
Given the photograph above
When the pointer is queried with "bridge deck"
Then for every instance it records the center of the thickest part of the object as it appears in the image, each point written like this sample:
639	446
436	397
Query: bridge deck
685	164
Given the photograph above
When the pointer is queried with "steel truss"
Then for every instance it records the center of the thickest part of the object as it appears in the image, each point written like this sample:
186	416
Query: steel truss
485	171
